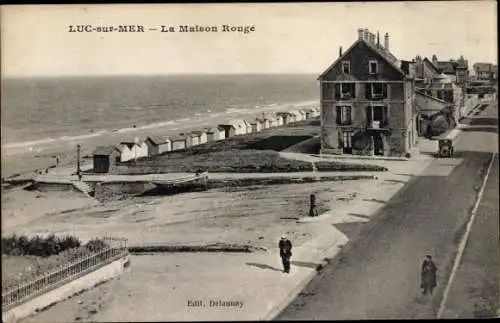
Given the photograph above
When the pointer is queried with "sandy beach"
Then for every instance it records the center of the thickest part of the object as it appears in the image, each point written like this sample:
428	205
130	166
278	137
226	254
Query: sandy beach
27	159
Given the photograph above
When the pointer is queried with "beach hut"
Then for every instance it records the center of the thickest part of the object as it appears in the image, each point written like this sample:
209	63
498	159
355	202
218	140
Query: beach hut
287	117
202	135
158	145
279	120
304	114
104	158
256	126
228	129
128	150
248	125
192	139
264	122
297	116
240	126
212	134
222	133
271	119
178	142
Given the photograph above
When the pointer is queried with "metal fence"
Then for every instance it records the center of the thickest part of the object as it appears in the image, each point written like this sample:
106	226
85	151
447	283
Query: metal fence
12	296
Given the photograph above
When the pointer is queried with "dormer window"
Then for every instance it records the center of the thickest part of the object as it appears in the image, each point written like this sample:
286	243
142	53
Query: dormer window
346	67
372	67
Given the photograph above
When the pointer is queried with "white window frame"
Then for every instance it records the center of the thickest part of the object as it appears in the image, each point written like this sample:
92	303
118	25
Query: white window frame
343	113
370	62
348	64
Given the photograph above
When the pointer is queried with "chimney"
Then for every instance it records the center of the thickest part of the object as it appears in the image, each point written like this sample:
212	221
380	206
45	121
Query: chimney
366	33
378	39
360	33
386	41
373	38
340	51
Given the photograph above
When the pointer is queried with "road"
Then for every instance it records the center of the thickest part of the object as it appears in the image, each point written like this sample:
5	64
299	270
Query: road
376	276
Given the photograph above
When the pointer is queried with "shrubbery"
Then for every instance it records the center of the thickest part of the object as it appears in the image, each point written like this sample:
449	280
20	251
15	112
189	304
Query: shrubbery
45	246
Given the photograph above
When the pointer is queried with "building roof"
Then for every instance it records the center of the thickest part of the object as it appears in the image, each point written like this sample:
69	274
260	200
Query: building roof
158	140
446	67
483	67
212	129
420	92
105	150
178	138
431	65
199	132
386	55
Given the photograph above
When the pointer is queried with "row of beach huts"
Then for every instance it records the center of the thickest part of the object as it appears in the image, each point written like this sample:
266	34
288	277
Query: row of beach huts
105	157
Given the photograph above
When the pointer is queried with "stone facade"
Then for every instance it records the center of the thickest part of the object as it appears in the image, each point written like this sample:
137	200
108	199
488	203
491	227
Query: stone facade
355	119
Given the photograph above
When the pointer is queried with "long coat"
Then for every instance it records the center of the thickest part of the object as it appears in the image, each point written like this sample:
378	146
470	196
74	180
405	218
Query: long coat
429	270
285	246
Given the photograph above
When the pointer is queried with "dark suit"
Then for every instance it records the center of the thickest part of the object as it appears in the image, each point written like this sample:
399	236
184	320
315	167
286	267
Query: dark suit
285	246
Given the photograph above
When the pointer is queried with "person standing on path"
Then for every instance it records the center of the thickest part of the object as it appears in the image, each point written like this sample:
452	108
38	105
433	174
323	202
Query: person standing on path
428	275
285	246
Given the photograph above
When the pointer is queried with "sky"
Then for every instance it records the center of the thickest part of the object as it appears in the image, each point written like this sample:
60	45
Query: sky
288	37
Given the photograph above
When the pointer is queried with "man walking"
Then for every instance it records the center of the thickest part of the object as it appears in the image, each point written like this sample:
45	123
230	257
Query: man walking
285	246
428	275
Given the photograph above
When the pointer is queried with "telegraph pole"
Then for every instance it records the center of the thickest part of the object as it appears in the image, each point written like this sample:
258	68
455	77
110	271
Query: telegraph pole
78	160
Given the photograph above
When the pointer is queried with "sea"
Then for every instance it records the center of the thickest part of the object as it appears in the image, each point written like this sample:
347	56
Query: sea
40	110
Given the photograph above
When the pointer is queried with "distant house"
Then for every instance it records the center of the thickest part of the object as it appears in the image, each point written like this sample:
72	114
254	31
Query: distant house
133	149
178	142
256	126
202	135
228	129
485	71
222	133
214	134
309	114
158	145
304	114
104	158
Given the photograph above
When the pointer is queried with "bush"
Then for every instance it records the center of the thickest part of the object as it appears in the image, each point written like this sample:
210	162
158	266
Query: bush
37	246
96	245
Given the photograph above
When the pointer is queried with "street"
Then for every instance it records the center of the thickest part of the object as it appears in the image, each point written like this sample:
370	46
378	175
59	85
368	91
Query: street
377	275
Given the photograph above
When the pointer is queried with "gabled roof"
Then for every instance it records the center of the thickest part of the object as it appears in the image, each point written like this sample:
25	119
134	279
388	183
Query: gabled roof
198	132
129	144
431	64
388	57
158	140
446	67
105	150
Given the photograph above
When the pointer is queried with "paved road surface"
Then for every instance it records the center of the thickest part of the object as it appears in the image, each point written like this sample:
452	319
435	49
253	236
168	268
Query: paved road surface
376	276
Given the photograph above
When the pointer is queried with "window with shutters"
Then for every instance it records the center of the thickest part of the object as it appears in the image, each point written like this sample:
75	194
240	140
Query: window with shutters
344	114
345	91
377	116
376	91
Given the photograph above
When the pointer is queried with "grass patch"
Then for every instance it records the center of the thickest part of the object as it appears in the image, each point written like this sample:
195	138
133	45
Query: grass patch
228	161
